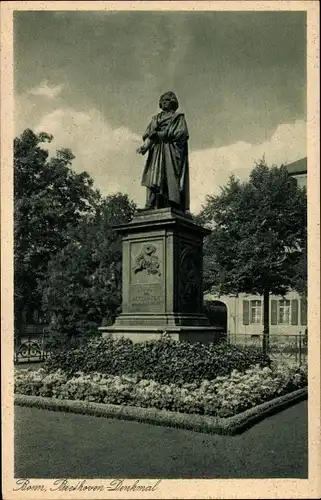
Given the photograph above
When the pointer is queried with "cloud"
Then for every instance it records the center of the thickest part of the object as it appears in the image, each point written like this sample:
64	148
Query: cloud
211	168
107	154
46	90
180	43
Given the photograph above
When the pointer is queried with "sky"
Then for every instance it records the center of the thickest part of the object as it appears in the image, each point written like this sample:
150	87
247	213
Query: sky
93	80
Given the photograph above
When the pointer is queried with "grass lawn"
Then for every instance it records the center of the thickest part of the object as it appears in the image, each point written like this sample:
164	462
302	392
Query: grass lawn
57	445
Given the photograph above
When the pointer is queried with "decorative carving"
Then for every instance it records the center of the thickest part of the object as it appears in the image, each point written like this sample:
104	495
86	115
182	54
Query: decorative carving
190	278
147	260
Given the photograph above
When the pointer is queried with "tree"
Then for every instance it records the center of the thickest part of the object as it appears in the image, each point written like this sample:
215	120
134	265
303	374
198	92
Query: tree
82	289
259	235
300	278
49	200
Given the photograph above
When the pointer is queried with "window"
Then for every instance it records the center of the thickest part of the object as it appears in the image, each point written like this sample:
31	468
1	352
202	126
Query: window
284	312
256	311
252	312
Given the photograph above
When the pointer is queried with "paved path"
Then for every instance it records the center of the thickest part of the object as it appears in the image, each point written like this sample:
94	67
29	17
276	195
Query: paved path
55	445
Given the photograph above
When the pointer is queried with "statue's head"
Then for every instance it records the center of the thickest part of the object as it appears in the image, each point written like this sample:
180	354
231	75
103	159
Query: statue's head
168	100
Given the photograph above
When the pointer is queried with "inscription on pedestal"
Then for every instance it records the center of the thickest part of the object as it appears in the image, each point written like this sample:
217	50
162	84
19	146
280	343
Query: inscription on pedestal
146	298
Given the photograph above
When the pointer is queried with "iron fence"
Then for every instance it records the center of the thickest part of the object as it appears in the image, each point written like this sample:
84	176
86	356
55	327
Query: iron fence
288	347
31	349
34	348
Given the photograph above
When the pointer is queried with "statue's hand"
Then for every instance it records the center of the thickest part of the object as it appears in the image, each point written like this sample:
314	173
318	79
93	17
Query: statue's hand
141	151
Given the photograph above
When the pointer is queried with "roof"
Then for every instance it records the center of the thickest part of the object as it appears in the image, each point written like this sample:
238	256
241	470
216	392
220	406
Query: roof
297	167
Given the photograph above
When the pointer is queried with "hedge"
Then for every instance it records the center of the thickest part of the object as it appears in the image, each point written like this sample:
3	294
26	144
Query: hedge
199	423
165	361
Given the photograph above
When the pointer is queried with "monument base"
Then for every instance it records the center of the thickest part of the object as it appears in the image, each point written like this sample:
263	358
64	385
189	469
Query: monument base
162	279
202	334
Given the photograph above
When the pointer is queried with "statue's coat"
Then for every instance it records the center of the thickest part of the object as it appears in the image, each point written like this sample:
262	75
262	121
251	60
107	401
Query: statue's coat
167	162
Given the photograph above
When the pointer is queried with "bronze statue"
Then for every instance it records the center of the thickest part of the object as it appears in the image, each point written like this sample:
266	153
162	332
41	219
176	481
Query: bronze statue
166	173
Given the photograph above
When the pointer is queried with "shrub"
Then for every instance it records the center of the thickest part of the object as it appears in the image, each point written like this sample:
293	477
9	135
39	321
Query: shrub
164	361
257	385
39	383
225	396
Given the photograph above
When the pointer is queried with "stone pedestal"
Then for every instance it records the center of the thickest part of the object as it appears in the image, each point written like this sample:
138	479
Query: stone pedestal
162	278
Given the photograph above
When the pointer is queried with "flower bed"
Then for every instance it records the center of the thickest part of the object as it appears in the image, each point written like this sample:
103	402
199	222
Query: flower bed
222	397
165	361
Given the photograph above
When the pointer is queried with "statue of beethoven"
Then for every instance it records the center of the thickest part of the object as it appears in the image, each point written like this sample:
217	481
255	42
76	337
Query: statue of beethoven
166	173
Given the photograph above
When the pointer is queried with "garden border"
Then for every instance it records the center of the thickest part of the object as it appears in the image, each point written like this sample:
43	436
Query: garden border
199	423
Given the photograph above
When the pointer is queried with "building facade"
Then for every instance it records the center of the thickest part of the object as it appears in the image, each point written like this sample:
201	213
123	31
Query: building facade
298	171
244	313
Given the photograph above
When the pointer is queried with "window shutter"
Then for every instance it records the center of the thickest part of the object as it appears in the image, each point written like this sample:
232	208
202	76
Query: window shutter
246	312
294	311
304	312
274	312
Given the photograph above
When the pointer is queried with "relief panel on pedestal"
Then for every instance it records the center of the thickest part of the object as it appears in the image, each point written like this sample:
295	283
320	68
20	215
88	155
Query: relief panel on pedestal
189	277
146	289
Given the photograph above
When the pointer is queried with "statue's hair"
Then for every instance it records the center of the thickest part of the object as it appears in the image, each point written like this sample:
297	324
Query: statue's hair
172	97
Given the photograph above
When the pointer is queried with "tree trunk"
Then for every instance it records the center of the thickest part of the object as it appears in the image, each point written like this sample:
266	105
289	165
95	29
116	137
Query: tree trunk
266	319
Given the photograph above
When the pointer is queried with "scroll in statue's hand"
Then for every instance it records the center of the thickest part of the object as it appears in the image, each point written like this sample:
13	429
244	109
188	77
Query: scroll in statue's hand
142	150
146	146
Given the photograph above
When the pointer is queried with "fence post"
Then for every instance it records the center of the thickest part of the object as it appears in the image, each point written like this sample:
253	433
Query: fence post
300	349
